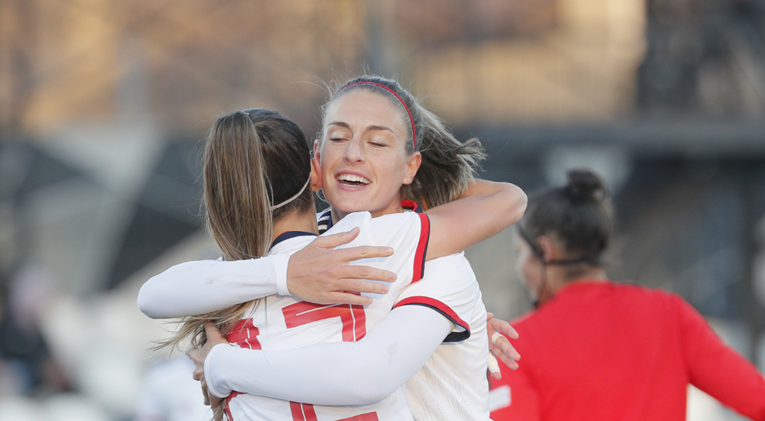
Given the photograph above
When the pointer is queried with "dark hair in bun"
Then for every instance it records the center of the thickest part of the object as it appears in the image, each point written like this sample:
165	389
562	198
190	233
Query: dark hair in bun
585	186
579	213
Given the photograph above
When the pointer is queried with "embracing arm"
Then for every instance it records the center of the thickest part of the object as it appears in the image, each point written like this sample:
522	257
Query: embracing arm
484	210
318	274
208	285
350	373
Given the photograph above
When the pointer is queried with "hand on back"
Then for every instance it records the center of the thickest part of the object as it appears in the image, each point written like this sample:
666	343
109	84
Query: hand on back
320	274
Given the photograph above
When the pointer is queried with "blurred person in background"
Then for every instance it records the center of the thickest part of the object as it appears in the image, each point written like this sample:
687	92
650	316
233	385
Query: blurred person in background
26	363
168	393
597	350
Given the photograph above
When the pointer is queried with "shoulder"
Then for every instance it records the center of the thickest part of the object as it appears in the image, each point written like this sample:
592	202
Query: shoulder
653	295
353	220
452	262
397	218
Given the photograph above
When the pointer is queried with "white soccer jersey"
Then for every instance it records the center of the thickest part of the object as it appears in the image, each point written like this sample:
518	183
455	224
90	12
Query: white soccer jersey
453	384
282	322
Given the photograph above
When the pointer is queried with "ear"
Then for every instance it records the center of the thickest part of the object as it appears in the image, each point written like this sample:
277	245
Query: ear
549	248
316	181
412	165
316	147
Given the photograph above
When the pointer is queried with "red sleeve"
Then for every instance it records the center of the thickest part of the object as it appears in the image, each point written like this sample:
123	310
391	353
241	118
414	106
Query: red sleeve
719	370
524	399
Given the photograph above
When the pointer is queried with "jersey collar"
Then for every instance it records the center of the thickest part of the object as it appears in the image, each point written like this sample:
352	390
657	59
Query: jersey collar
326	222
287	235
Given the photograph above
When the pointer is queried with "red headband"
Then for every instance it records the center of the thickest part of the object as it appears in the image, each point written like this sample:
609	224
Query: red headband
411	120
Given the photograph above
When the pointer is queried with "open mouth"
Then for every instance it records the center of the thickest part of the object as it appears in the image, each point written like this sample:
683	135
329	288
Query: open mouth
352	180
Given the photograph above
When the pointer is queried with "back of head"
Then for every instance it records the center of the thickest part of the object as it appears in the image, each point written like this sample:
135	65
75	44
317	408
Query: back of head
447	166
254	160
579	214
256	170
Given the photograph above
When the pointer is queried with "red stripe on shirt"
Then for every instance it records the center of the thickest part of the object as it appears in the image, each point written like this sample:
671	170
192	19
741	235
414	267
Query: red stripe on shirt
227	402
302	412
436	305
422	248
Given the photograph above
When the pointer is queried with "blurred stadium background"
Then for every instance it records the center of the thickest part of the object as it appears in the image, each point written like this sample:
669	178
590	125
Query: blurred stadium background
103	105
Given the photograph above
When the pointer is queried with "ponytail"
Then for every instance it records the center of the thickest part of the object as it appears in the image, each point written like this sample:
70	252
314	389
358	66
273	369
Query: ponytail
237	214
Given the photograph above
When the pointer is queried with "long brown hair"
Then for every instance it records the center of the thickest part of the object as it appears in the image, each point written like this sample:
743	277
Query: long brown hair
254	161
447	166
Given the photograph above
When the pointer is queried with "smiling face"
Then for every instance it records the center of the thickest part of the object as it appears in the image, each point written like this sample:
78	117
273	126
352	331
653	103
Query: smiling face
362	154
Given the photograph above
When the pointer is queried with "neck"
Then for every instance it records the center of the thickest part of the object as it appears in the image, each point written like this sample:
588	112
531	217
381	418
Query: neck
557	278
305	221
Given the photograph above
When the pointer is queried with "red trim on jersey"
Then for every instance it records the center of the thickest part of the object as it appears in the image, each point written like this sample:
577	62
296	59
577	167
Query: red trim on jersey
411	205
305	412
226	402
351	316
244	334
302	412
422	248
443	309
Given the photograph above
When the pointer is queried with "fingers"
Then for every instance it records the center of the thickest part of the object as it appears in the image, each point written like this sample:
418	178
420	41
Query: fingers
213	334
494	367
206	393
507	348
363	252
214	404
498	325
501	348
366	272
348	298
198	373
504	358
361	285
508	330
334	240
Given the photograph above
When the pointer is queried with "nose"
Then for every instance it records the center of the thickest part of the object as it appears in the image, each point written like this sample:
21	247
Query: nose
354	152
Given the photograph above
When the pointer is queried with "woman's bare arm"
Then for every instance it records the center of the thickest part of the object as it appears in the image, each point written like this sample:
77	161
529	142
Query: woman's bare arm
486	208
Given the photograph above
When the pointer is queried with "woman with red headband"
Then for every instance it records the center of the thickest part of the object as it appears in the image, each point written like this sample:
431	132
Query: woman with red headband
379	146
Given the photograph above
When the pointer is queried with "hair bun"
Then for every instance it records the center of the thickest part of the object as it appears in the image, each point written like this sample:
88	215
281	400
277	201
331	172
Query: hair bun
585	185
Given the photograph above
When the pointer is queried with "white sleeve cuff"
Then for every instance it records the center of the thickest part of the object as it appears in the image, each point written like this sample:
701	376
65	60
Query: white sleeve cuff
280	262
213	386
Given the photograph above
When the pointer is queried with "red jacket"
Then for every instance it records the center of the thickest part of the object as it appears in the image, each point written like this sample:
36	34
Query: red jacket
606	351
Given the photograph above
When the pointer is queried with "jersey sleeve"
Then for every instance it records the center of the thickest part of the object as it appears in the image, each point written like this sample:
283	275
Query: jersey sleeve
407	233
350	373
450	288
717	369
199	287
